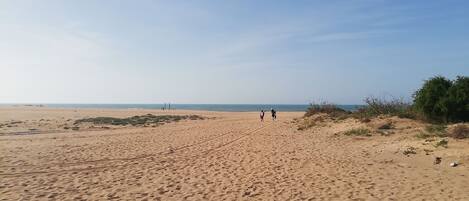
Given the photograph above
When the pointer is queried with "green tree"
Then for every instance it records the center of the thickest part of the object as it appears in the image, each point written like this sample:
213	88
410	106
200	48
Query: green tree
458	99
432	99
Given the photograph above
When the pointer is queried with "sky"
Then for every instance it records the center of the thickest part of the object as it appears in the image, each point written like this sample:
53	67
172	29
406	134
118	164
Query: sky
238	52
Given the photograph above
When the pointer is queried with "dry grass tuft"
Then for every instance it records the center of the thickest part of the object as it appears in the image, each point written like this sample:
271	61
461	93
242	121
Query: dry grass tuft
358	132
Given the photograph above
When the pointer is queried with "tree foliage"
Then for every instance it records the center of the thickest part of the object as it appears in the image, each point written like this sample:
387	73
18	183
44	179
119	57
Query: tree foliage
441	99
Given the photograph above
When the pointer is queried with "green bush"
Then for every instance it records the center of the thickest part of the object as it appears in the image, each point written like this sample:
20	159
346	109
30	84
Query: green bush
443	100
458	96
380	106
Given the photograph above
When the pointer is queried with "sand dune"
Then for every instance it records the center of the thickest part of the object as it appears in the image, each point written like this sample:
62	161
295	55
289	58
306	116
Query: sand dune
231	156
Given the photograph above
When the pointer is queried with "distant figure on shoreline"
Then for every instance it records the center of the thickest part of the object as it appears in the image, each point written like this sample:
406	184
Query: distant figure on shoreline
274	114
262	115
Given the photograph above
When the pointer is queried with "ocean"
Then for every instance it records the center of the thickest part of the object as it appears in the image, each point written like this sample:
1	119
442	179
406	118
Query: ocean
208	107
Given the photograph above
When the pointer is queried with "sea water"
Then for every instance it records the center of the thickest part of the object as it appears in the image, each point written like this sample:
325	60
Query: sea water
208	107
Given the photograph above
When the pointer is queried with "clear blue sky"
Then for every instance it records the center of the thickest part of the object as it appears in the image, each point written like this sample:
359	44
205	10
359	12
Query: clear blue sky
227	51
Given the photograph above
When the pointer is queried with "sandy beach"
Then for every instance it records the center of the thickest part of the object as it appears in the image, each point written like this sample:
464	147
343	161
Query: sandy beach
226	156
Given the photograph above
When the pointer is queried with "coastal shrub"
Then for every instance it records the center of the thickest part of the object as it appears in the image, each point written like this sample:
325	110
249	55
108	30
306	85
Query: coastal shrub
358	132
439	100
460	132
458	100
327	108
443	100
324	107
380	106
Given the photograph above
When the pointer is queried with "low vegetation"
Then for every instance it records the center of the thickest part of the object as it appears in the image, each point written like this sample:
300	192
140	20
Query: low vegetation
148	119
442	143
440	101
424	135
379	106
432	131
444	100
326	108
306	124
436	129
358	132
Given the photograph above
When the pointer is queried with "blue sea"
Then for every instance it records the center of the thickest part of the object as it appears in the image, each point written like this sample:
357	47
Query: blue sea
208	107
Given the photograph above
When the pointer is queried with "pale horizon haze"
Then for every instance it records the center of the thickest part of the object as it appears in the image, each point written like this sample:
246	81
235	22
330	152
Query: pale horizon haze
227	52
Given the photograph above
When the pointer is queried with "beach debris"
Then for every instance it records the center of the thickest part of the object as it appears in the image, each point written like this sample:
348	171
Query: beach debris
410	150
453	164
437	161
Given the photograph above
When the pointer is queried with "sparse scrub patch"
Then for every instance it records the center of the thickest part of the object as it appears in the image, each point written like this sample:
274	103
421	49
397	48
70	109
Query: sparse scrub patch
423	135
380	106
137	120
327	108
432	131
442	143
306	124
436	130
358	132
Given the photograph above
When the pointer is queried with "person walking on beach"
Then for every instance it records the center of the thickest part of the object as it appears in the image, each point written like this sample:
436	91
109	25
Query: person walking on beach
262	115
274	114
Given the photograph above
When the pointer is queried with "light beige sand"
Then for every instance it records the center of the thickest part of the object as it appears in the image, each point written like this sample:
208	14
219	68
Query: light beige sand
230	157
